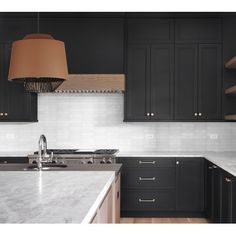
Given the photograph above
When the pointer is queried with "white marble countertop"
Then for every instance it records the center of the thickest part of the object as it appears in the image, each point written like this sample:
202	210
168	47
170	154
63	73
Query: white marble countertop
52	196
225	160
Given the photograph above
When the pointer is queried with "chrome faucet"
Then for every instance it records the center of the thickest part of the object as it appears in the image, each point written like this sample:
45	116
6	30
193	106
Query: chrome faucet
42	157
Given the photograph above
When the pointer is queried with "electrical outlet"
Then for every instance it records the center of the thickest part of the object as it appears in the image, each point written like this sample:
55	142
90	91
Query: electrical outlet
213	136
149	136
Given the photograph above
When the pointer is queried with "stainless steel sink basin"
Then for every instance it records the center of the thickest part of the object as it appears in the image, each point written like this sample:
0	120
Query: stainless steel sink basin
47	166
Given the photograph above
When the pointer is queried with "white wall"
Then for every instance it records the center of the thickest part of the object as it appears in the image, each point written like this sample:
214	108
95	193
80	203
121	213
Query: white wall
96	121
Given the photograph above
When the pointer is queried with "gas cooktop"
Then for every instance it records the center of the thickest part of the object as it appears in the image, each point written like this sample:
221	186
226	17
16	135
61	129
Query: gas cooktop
82	151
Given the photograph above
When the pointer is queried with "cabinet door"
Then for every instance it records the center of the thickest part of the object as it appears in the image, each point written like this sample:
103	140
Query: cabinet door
17	104
190	185
137	100
209	82
93	45
209	191
185	82
206	30
216	196
234	200
162	62
150	30
227	198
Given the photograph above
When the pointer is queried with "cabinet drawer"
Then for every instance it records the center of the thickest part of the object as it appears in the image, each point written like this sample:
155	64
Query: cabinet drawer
148	178
147	161
148	200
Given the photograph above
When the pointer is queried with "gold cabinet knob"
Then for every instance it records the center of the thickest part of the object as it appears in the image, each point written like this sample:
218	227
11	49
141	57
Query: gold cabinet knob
148	114
152	114
195	114
5	114
200	114
1	114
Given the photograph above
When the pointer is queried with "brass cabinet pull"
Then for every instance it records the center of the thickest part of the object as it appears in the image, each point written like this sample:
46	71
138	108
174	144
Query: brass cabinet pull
148	114
1	114
5	114
147	178
147	200
147	162
200	114
195	114
210	167
214	167
177	162
228	180
152	114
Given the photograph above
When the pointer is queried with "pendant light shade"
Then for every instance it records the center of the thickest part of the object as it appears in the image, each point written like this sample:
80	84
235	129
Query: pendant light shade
38	61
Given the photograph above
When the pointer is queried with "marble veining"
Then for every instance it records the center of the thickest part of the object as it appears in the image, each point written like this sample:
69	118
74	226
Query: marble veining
51	197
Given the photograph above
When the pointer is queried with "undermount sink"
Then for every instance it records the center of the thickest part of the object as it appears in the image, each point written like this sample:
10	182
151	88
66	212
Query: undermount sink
47	166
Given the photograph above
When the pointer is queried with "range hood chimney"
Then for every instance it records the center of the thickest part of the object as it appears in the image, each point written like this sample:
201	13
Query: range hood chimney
93	83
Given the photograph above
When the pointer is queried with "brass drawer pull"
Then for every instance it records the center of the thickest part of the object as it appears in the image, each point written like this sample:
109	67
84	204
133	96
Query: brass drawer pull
147	200
148	179
1	114
147	162
5	114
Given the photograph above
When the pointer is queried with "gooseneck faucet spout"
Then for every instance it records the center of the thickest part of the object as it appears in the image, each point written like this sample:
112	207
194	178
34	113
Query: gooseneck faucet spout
42	153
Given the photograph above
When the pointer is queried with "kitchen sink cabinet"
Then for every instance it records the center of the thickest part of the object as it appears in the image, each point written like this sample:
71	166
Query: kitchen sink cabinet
149	84
190	185
15	103
198	81
93	45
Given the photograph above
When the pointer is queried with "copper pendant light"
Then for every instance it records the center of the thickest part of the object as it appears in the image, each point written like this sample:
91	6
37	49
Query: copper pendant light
38	61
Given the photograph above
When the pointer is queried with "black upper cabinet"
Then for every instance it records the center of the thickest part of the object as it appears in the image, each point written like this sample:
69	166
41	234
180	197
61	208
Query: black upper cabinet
150	30
190	184
16	104
206	30
162	81
198	82
136	84
93	45
149	86
210	82
185	82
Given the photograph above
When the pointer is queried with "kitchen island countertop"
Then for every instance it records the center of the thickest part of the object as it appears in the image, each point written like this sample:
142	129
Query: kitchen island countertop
52	196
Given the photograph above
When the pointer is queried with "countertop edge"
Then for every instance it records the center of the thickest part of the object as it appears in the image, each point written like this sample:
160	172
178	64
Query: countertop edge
92	211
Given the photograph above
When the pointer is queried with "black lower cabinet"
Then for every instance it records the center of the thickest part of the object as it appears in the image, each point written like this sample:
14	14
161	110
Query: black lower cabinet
228	198
163	187
220	195
190	185
213	193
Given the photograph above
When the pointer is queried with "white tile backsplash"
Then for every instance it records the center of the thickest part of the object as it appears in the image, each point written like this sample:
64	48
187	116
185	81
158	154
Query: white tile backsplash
96	121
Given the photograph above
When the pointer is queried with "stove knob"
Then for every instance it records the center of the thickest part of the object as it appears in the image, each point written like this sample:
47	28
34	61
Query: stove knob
109	161
90	161
103	162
